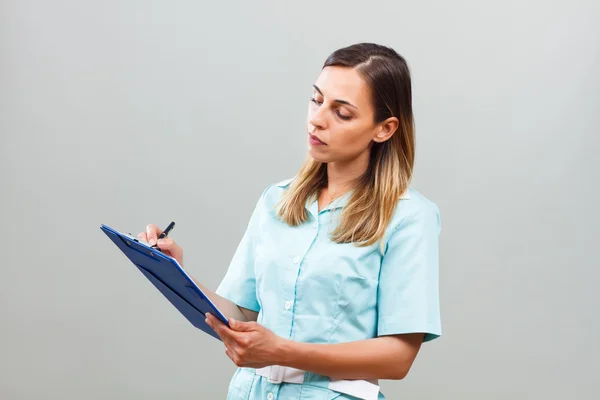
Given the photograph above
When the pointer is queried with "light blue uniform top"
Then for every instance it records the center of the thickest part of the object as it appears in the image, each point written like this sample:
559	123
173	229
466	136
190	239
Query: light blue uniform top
308	288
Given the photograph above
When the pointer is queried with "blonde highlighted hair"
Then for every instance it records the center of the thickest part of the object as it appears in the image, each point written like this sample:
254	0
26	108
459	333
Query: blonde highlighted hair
376	193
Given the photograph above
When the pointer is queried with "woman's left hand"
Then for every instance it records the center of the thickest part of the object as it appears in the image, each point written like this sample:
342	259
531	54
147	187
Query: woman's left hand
248	344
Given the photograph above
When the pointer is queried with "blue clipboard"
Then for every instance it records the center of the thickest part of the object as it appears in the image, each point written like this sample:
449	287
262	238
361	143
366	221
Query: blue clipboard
169	278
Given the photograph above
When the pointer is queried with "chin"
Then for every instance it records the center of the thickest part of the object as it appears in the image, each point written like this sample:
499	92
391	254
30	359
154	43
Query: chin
317	156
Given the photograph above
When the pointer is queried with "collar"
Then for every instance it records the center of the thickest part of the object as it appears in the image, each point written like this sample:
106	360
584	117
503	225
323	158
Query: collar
341	201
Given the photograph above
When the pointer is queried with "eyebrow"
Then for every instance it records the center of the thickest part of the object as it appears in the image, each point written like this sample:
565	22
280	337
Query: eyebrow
337	100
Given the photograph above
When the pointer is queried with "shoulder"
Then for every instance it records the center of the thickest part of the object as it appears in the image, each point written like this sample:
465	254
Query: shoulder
273	187
284	183
415	202
414	207
271	193
274	190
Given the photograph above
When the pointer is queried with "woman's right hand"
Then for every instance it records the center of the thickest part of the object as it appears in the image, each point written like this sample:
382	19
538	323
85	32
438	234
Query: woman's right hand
166	245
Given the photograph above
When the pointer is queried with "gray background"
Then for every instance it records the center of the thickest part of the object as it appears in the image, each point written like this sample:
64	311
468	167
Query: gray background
127	113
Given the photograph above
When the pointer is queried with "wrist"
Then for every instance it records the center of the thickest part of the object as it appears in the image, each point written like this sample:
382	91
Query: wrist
284	352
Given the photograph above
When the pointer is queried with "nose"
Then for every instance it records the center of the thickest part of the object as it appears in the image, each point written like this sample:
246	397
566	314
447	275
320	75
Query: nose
317	119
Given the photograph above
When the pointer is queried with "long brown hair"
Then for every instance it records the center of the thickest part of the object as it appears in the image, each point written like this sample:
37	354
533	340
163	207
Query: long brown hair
376	193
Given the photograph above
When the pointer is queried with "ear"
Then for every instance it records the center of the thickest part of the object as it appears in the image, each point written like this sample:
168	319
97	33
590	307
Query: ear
386	129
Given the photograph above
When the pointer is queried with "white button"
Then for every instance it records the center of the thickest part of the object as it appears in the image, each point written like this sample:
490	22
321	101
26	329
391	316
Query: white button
270	396
288	305
316	224
296	260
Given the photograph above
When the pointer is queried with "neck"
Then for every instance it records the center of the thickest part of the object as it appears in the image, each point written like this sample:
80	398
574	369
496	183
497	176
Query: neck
341	175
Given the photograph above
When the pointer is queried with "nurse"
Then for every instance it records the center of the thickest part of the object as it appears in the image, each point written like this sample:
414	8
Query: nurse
334	284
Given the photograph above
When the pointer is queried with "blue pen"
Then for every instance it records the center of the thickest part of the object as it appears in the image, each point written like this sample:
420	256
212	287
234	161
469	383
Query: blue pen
166	232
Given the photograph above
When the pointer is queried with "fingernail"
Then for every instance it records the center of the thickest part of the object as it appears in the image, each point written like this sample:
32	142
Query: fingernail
152	242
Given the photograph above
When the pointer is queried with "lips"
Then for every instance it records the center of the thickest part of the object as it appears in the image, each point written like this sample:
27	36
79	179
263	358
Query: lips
316	138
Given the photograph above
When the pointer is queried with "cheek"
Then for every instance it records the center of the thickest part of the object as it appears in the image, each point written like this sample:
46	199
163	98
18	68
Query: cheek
349	139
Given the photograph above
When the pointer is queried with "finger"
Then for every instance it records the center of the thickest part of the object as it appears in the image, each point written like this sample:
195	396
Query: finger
213	326
166	244
210	321
173	248
222	330
152	231
143	236
214	322
241	326
230	354
233	354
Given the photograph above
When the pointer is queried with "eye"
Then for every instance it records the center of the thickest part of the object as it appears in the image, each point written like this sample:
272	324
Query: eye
344	117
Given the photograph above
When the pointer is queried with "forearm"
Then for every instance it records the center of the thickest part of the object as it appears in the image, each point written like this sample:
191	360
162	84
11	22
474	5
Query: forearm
227	307
381	358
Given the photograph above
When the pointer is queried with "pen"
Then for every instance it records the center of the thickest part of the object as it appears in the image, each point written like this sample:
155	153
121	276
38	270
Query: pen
166	231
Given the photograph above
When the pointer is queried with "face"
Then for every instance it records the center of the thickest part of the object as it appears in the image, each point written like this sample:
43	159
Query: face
341	115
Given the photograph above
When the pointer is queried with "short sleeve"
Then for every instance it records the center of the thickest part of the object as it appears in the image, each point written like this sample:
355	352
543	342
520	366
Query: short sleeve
408	294
239	283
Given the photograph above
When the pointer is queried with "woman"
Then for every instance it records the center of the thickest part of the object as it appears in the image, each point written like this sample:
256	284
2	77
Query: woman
334	284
